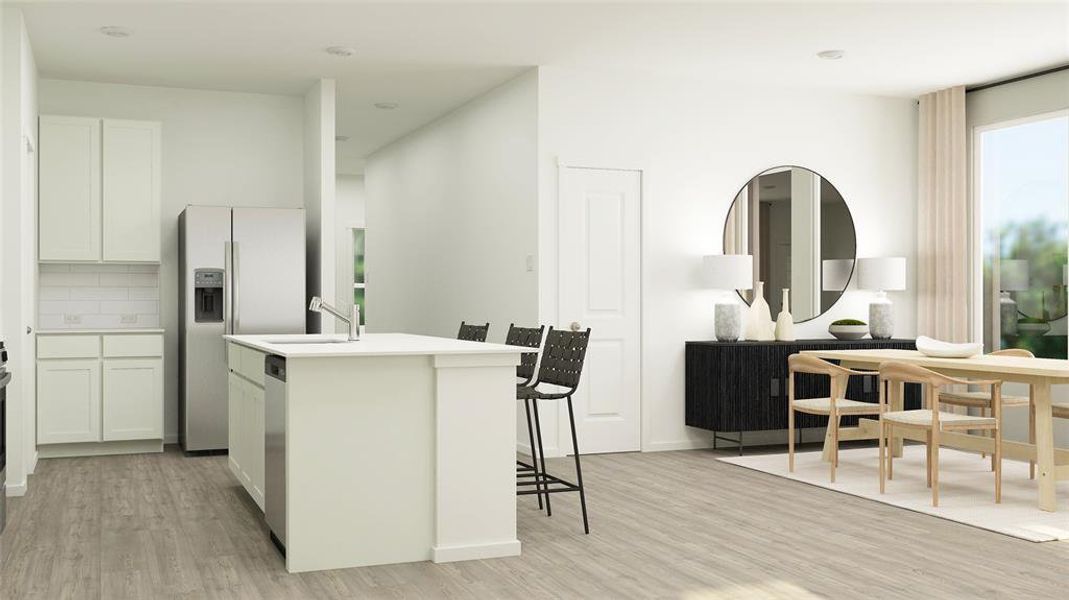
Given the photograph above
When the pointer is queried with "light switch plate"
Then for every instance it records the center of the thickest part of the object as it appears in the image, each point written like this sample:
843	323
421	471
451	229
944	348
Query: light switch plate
72	319
127	319
530	263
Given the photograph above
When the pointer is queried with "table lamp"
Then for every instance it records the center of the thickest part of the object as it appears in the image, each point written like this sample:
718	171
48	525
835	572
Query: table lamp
729	272
882	275
835	274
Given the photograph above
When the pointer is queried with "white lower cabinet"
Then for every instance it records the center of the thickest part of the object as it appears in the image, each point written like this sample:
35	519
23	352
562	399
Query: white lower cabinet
68	405
246	425
133	407
106	390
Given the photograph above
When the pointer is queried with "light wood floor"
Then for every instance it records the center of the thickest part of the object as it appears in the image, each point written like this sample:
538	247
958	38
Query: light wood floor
665	525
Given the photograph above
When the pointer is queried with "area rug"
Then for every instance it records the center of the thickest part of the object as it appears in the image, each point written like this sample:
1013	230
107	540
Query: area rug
966	488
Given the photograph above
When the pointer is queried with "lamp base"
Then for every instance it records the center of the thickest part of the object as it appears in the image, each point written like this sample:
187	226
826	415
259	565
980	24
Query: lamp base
881	318
728	322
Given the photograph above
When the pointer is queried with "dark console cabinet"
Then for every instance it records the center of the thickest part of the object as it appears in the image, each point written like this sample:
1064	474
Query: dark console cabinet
742	386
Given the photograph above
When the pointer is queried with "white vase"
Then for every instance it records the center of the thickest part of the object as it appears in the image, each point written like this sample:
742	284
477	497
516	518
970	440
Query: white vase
757	323
784	320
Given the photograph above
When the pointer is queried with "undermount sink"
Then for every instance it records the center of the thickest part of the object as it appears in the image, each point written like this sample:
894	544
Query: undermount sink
308	341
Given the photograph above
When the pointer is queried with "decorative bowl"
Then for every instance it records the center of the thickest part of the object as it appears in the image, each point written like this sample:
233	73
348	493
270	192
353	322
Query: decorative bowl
848	332
939	349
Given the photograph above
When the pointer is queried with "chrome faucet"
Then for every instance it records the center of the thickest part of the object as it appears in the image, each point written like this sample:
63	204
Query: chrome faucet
317	305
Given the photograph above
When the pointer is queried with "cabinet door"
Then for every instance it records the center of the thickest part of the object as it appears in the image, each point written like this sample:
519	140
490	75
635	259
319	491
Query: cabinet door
235	439
133	399
69	189
68	401
256	443
131	213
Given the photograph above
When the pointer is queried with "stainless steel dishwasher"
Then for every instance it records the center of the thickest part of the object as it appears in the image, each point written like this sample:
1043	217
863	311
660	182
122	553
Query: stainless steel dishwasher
275	448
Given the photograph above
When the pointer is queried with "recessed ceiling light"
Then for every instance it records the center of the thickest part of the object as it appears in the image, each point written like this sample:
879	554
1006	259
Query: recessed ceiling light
343	51
831	54
341	138
115	31
386	105
768	187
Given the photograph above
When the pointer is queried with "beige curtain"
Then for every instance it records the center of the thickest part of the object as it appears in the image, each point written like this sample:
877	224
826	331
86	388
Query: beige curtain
943	218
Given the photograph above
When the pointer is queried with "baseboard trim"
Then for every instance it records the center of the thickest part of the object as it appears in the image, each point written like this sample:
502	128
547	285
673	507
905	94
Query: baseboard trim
551	452
678	445
16	490
99	448
33	463
443	554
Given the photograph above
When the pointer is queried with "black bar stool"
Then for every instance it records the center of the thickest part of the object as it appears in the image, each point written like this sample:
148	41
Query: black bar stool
562	365
529	337
473	333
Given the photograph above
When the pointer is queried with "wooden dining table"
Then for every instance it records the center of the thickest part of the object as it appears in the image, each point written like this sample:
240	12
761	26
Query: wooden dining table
1038	373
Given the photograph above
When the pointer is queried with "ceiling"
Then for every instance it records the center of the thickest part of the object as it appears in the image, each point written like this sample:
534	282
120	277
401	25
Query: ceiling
432	57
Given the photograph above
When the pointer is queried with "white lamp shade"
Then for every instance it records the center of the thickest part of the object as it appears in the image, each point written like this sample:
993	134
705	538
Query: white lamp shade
728	271
1013	275
882	274
835	274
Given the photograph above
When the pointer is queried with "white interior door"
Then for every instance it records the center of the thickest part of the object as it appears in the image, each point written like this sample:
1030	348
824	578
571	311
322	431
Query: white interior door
599	239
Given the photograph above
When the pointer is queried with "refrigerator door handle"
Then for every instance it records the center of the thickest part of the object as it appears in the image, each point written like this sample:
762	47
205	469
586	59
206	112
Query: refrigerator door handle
228	262
236	302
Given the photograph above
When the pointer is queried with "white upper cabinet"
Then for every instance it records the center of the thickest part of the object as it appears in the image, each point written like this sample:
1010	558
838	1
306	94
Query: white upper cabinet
131	191
69	189
99	190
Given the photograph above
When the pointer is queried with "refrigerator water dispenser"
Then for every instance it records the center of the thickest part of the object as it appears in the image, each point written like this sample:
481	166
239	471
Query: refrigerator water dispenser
208	295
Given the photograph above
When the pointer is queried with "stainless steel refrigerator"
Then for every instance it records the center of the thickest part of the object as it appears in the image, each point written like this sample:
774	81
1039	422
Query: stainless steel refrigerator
242	270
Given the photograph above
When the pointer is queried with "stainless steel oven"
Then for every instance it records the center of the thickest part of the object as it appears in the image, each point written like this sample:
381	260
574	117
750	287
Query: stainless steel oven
5	377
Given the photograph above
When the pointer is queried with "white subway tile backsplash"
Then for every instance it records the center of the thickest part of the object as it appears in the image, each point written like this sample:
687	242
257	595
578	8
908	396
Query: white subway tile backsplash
97	296
144	293
144	280
118	307
48	292
99	293
50	322
100	268
69	279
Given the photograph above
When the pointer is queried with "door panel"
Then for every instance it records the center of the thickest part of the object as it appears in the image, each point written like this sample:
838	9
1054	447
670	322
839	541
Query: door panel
133	399
131	204
69	192
269	291
600	288
68	401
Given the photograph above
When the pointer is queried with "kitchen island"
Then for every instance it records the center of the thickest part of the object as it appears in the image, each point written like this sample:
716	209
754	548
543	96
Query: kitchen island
395	448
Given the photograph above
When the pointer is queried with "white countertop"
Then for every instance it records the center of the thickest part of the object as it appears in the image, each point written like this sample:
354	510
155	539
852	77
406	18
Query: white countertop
370	344
95	331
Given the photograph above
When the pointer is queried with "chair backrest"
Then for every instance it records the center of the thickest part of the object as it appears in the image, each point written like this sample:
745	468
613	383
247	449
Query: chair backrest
899	372
562	358
805	363
529	337
473	333
1020	352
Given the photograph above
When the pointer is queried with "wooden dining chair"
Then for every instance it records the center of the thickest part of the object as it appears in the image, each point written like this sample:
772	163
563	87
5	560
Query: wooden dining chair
982	400
931	420
834	406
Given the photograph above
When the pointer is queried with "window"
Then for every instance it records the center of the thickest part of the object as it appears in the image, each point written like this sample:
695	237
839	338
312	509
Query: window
1022	178
359	275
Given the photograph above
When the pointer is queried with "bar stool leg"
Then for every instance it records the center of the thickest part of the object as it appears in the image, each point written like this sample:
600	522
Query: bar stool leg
578	468
541	455
534	459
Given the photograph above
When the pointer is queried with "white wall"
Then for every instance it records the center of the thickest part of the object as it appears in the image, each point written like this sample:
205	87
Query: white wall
219	148
350	202
19	272
452	217
698	143
319	195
